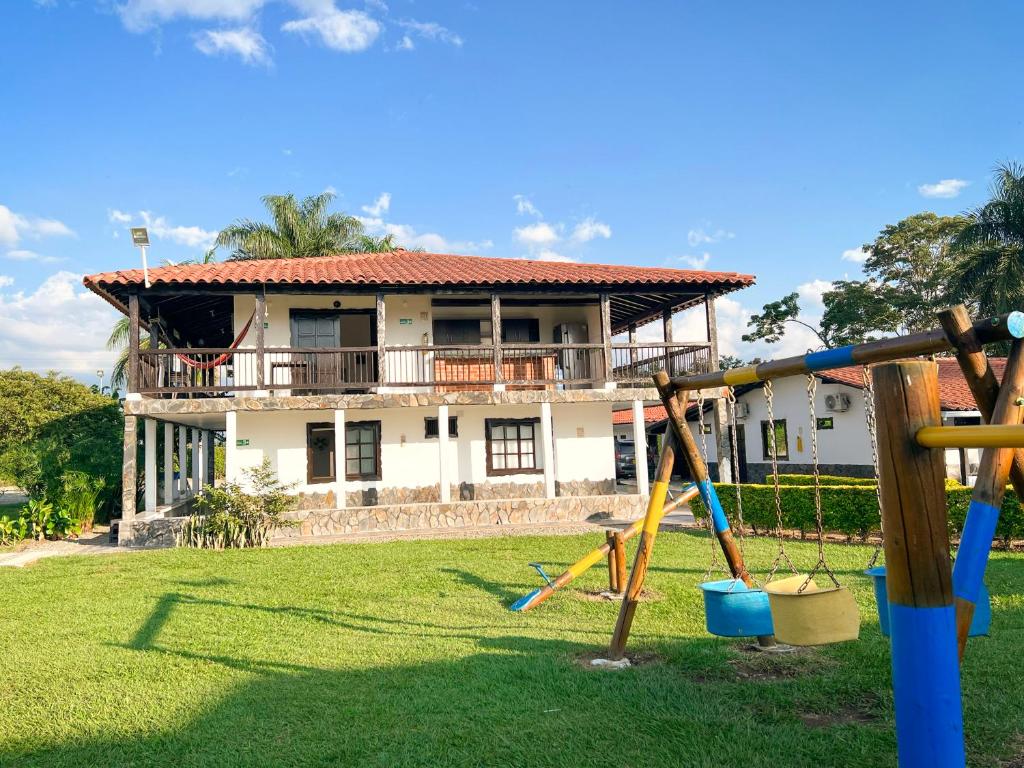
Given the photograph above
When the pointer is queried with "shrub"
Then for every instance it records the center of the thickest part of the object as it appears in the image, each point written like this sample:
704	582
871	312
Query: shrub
12	530
233	518
80	496
850	510
824	479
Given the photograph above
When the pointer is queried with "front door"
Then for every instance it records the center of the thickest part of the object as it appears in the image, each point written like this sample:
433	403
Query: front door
359	329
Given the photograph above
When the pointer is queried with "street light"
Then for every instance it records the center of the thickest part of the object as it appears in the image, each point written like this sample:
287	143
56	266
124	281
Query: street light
99	375
140	239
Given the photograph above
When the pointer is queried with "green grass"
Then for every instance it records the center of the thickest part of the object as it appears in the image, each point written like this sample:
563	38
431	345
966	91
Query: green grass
405	654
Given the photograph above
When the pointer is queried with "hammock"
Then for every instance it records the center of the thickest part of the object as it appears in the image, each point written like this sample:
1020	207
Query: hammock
191	362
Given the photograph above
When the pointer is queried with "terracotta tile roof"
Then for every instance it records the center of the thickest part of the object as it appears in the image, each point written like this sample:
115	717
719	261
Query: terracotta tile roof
652	413
954	394
405	268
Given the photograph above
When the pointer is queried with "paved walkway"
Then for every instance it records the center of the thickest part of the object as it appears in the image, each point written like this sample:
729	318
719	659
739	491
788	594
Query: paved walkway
26	553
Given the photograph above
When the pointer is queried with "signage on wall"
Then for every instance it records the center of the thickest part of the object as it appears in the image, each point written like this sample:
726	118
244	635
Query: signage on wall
825	422
405	321
706	429
241	443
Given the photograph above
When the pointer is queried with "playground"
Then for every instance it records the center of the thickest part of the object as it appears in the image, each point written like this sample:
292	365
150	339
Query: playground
406	654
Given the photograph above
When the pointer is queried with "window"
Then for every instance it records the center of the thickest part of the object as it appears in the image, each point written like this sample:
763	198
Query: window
520	330
362	450
430	426
781	440
456	331
320	453
512	446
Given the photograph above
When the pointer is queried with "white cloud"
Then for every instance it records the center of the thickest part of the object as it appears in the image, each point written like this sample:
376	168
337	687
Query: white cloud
143	15
60	326
243	42
944	188
347	31
590	228
856	255
14	226
6	281
700	236
192	237
118	217
524	207
379	206
21	254
549	255
406	44
696	262
406	236
431	30
811	294
538	234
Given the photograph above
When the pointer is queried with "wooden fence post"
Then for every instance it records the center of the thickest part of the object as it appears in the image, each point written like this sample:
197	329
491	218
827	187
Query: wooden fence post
922	619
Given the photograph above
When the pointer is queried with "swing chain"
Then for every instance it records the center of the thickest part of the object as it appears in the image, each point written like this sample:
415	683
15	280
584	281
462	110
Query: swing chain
715	565
812	386
771	437
869	415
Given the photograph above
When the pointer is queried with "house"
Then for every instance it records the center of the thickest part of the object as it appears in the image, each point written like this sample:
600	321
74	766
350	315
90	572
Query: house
624	419
397	390
844	445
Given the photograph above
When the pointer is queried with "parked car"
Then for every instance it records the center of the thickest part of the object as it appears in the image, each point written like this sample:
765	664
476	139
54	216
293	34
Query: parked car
625	459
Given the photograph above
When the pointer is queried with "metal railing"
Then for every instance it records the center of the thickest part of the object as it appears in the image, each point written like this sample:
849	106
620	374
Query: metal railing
438	368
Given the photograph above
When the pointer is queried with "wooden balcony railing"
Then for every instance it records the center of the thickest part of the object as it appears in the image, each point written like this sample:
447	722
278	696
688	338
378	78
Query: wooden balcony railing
440	368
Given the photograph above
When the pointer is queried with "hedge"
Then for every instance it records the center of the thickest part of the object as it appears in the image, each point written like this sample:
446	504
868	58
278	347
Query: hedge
825	480
851	510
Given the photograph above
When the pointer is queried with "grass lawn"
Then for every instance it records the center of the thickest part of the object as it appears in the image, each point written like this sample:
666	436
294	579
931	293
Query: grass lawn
405	654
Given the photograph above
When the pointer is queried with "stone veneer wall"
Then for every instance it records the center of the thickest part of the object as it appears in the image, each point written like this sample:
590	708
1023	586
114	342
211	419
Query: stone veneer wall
161	532
372	497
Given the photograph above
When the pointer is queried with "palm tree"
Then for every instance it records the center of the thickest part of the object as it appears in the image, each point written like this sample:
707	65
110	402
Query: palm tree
991	246
371	244
299	230
118	340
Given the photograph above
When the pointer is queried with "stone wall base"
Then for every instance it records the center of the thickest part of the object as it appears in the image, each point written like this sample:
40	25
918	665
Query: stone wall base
161	532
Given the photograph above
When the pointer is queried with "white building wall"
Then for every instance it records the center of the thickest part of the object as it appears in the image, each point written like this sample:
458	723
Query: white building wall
583	441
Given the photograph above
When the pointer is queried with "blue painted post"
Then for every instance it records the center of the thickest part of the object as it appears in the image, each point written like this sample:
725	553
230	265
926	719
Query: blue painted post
925	668
986	499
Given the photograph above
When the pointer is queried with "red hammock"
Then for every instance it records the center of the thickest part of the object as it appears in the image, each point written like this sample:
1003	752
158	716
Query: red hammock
191	362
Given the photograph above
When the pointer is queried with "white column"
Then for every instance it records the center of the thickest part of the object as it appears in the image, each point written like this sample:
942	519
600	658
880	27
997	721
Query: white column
168	463
230	447
197	460
442	454
182	461
643	484
150	450
547	450
339	458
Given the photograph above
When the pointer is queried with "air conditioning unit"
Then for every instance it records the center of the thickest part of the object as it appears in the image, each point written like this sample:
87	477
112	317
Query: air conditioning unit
742	410
837	403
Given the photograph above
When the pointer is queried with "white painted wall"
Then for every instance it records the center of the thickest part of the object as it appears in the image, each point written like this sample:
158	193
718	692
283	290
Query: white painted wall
410	460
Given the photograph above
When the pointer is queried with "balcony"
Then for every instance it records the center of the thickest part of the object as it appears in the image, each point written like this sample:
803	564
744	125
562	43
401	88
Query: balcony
430	368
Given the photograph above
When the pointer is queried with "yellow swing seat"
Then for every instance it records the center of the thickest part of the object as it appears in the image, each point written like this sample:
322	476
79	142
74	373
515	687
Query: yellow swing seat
814	616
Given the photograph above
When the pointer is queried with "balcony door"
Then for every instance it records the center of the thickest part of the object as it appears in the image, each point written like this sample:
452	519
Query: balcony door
330	330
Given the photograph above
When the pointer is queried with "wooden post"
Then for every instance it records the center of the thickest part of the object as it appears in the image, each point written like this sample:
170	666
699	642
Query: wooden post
133	343
261	345
606	338
981	379
613	575
987	499
632	345
381	354
666	331
648	532
922	619
499	377
620	561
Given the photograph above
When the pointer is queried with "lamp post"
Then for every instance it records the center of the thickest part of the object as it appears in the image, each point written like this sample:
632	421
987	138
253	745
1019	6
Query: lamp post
140	238
99	375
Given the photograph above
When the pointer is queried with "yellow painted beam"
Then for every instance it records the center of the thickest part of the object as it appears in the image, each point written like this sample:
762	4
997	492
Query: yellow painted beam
972	436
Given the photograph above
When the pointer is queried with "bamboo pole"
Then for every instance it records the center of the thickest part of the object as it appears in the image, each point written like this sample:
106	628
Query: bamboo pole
648	532
589	560
1002	328
972	436
986	500
926	678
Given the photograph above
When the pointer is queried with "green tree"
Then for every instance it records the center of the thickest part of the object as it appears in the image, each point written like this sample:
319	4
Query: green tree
300	229
990	247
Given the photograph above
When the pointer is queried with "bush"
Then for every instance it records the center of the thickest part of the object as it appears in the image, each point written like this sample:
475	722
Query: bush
825	480
232	518
12	530
851	510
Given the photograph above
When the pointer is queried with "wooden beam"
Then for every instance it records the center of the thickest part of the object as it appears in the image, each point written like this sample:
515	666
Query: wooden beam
496	338
606	337
922	620
381	356
133	343
260	320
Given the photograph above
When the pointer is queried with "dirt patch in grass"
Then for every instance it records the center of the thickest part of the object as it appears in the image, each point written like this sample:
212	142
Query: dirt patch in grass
759	666
604	596
842	717
1017	759
636	659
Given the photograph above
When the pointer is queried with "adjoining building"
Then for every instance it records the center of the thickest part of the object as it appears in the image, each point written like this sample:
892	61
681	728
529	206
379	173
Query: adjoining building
397	390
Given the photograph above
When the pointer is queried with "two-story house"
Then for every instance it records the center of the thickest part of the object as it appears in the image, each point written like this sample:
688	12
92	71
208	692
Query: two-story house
397	390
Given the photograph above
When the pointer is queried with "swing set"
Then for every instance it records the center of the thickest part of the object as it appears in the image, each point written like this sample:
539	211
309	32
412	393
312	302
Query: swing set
925	605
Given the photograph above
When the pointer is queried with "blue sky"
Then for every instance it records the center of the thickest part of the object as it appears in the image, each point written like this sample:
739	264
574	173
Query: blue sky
770	138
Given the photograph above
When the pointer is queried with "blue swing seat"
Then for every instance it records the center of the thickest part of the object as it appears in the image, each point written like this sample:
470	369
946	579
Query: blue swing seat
982	611
732	609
